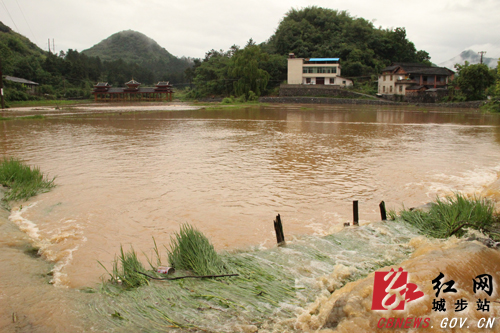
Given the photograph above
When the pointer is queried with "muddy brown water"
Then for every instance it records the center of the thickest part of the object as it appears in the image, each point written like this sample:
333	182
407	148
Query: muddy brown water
125	178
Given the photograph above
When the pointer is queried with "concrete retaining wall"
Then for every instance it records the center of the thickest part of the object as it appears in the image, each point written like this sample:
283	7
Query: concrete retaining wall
326	100
291	90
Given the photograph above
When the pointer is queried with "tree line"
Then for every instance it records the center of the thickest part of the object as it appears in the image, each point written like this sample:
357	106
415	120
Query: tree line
248	72
309	32
72	74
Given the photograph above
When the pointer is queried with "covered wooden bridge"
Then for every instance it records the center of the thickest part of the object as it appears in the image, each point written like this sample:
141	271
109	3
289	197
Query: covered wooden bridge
105	92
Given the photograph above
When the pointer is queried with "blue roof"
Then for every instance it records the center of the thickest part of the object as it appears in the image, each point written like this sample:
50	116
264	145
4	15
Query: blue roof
324	59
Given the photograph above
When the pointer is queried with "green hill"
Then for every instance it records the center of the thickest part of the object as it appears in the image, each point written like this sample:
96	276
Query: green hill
16	51
72	74
135	47
363	49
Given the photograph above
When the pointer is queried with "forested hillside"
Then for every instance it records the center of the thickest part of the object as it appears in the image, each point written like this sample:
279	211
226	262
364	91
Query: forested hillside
16	50
136	48
73	74
309	32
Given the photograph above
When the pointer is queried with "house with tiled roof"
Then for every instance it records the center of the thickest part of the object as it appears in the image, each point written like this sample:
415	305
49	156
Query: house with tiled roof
413	78
30	85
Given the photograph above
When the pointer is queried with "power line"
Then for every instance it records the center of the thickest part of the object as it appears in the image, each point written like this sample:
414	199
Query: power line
22	12
10	16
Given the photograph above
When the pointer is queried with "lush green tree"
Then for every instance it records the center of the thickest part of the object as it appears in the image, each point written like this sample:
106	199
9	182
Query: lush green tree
424	57
211	76
276	65
473	80
403	50
190	72
244	68
237	72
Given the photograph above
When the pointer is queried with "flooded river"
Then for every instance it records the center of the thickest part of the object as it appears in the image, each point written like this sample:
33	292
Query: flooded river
125	178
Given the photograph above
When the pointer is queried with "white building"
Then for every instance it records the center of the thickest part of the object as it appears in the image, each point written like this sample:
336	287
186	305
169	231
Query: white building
318	71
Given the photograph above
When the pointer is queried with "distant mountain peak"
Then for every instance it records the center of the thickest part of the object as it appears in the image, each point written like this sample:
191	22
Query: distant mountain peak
472	57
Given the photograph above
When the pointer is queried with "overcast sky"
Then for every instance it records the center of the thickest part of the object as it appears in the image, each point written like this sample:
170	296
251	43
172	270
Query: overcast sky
444	28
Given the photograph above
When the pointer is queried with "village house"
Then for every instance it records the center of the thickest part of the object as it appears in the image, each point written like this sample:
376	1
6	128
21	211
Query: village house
413	79
315	71
29	85
105	92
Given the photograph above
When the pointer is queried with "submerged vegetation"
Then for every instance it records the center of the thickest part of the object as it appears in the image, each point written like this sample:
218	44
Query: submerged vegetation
126	270
451	215
271	284
22	180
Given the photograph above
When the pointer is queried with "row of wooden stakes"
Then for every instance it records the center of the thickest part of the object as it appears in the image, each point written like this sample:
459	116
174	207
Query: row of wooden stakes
278	225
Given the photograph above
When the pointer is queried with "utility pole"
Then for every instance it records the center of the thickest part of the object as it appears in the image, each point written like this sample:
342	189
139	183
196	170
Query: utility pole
49	45
1	85
481	53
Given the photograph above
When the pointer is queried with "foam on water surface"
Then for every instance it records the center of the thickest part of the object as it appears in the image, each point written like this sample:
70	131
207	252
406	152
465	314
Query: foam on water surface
55	245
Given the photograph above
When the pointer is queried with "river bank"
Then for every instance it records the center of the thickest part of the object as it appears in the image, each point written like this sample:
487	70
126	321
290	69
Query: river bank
470	106
286	102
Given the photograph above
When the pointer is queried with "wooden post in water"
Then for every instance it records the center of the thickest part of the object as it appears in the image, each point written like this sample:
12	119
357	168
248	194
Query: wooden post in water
1	86
278	228
355	212
383	214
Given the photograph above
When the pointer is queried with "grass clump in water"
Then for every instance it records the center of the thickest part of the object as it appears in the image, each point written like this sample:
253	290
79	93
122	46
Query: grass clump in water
126	270
449	216
22	180
192	251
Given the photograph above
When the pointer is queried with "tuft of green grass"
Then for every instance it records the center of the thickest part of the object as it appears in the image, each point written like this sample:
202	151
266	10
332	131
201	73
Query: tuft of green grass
392	214
126	268
191	250
449	216
22	180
